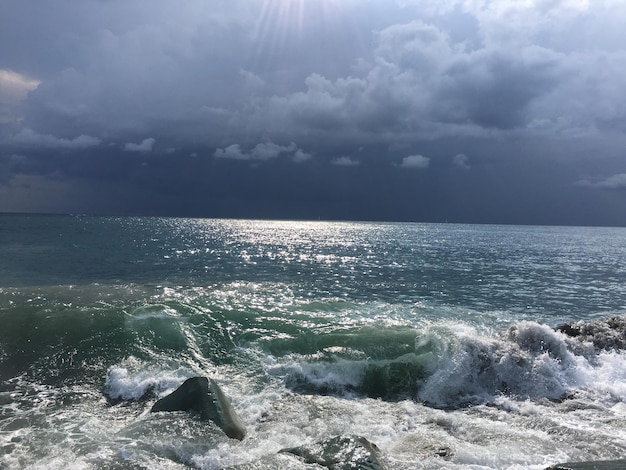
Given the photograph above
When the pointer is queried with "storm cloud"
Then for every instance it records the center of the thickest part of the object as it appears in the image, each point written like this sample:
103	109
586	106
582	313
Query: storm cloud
469	111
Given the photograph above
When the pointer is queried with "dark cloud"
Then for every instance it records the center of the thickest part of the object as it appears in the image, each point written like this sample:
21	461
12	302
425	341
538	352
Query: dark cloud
492	90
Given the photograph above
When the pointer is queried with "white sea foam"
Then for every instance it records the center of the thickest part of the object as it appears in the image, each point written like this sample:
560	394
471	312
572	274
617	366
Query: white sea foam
335	376
507	432
153	311
125	384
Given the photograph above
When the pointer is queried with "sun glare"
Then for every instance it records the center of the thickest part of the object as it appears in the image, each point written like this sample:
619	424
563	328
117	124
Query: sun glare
285	23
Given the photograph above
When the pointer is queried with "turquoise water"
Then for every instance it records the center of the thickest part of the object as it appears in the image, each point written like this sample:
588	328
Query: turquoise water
436	342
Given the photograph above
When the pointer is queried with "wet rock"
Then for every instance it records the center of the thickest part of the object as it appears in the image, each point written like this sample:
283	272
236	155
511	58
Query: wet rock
205	397
604	334
341	453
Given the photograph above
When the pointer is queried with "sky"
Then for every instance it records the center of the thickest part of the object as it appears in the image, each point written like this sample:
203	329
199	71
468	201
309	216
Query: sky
469	111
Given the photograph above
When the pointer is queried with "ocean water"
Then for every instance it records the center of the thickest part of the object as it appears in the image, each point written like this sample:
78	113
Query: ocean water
435	342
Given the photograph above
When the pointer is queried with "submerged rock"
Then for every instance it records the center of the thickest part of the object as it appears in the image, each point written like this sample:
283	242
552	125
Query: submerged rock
597	465
341	453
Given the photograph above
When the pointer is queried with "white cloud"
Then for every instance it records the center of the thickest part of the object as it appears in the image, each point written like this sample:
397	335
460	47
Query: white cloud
345	161
14	86
263	151
268	150
420	83
28	137
145	146
508	71
612	182
415	161
233	152
301	156
461	160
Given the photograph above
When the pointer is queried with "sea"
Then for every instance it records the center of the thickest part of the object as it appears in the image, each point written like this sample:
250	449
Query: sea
442	344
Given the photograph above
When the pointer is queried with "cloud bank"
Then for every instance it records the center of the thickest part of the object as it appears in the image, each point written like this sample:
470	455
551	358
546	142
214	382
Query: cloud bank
517	94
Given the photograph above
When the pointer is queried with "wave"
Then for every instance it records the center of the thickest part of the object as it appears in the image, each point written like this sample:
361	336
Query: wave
50	339
133	381
448	365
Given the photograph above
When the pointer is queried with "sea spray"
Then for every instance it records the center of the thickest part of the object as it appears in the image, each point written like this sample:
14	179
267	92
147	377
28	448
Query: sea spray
122	384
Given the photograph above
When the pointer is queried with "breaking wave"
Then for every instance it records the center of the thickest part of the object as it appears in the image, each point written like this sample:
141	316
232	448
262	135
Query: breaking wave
455	365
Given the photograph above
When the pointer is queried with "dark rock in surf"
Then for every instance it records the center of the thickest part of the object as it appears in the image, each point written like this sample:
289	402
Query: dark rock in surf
569	329
205	397
591	465
341	453
604	334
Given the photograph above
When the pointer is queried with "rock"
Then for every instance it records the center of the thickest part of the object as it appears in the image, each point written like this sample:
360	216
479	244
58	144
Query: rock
341	453
605	334
205	397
